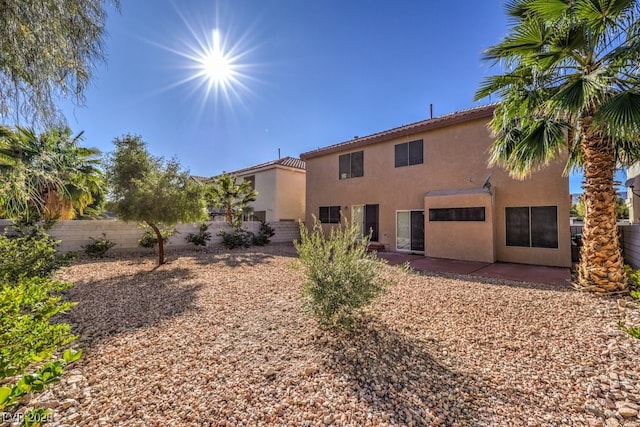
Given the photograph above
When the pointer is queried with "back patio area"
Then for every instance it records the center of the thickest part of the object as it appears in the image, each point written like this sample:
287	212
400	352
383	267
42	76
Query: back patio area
557	276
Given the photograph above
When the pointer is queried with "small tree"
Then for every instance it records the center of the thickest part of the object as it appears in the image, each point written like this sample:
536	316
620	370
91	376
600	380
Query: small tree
234	198
342	276
151	190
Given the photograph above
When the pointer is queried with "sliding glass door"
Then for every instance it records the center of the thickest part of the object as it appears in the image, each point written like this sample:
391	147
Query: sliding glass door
410	231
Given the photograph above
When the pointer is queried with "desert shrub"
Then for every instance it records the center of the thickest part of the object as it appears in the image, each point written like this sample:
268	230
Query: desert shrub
149	238
30	252
98	247
29	298
28	340
201	237
264	234
634	281
341	275
238	237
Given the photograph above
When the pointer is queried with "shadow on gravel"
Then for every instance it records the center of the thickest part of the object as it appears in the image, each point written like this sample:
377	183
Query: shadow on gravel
109	307
400	379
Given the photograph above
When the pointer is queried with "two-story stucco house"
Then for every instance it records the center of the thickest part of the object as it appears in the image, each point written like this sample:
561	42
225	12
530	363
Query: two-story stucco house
426	188
281	189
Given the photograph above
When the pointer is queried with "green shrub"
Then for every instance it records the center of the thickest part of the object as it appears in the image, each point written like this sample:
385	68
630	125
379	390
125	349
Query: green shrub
29	298
634	281
98	247
150	240
238	237
341	275
201	237
30	252
264	235
28	338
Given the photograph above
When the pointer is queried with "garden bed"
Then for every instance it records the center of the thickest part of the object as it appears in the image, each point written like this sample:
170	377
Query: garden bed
220	339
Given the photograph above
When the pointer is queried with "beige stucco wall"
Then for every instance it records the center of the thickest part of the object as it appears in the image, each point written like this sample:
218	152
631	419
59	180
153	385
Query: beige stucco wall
266	187
281	193
455	157
290	186
468	240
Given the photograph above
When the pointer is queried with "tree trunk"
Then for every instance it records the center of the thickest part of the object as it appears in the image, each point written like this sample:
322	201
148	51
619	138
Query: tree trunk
161	259
601	267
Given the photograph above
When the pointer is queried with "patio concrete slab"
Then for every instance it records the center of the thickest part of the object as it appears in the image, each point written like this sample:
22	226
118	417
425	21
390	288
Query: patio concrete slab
556	276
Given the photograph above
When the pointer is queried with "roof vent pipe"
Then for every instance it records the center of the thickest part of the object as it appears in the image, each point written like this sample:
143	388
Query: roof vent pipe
431	111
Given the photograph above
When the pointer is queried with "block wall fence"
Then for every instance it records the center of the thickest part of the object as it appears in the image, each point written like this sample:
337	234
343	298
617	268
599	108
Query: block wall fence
75	234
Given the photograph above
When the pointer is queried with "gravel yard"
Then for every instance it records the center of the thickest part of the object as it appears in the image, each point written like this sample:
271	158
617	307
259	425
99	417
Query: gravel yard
220	339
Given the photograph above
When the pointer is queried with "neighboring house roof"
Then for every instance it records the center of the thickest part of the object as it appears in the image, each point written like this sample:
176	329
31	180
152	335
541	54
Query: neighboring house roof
410	129
287	162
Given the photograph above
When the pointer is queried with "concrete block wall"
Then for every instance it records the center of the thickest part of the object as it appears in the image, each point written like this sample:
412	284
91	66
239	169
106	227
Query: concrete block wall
75	234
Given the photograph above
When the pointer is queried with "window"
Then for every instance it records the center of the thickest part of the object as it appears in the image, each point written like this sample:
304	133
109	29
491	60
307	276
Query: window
330	214
457	214
409	153
252	180
351	165
534	227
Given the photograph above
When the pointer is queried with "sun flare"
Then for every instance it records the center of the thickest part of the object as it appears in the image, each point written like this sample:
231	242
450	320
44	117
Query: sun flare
215	64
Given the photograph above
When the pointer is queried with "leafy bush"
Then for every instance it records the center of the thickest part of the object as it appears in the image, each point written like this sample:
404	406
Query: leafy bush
634	282
150	240
27	337
201	237
238	237
264	235
30	252
98	247
342	276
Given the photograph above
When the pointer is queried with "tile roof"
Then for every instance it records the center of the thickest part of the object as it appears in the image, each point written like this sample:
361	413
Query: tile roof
290	162
410	129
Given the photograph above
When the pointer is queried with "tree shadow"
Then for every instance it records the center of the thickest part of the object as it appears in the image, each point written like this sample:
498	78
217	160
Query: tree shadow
118	304
401	379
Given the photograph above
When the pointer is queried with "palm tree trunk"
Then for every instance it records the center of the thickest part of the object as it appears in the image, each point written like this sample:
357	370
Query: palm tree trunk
161	259
601	267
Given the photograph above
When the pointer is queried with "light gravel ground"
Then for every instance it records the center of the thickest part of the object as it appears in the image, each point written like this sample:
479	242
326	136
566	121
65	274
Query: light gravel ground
220	339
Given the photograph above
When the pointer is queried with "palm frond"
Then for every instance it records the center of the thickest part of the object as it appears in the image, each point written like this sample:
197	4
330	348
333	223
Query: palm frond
620	114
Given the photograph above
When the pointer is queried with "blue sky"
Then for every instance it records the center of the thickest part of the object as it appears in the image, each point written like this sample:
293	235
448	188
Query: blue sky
308	74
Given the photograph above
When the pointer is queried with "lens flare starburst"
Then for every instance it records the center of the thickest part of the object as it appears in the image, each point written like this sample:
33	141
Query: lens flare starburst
213	66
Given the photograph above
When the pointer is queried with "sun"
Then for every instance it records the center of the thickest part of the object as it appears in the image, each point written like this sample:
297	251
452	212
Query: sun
214	64
211	64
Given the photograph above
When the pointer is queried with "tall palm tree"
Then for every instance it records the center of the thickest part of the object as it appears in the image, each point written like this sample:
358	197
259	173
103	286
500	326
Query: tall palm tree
572	85
234	198
47	175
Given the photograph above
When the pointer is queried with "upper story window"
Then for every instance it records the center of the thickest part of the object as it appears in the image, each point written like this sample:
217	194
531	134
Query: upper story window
252	180
351	165
409	153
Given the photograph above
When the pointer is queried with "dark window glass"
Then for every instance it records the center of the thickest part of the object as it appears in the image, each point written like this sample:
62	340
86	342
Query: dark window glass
345	166
402	155
330	214
535	227
517	226
415	152
457	214
357	164
351	165
544	227
252	180
409	153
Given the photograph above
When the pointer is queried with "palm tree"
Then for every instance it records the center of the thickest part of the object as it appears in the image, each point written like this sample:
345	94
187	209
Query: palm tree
47	175
572	86
234	198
